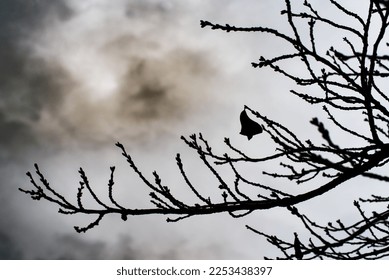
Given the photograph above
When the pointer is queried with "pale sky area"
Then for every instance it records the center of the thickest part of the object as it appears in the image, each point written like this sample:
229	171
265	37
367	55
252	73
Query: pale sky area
78	76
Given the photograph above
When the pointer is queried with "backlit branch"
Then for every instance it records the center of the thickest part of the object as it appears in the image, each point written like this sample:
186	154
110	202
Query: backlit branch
344	82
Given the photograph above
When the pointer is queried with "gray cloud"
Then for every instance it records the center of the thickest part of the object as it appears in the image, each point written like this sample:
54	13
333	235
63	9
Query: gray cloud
27	84
18	17
65	84
162	88
9	248
129	74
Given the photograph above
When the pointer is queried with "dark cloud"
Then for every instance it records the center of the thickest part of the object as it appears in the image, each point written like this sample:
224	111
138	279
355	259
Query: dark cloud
27	84
67	247
28	88
19	17
47	108
162	89
9	248
49	103
73	247
14	134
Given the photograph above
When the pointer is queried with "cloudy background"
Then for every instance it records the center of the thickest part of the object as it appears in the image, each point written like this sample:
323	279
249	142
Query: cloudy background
77	76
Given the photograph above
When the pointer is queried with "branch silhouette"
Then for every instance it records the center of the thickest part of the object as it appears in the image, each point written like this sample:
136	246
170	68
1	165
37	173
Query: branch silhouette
350	82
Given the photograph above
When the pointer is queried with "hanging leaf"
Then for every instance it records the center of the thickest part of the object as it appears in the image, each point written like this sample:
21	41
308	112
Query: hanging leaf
249	127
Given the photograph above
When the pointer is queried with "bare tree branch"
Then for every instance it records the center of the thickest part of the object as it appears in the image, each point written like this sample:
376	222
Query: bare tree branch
349	78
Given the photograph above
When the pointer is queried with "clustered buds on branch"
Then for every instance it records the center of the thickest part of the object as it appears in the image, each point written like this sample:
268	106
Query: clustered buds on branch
350	82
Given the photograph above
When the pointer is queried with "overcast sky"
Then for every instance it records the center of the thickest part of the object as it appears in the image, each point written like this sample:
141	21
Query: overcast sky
77	76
